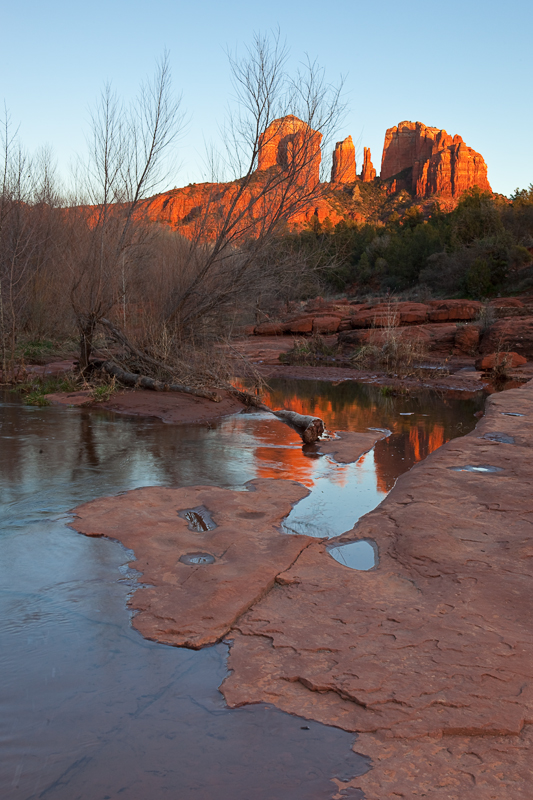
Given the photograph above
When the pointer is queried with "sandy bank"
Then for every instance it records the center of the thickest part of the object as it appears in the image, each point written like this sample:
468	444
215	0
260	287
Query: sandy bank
172	407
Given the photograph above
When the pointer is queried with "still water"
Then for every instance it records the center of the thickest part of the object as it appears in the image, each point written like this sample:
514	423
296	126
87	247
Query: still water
88	708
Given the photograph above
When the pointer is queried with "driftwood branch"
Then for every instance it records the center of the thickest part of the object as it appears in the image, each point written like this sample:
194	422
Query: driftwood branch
142	381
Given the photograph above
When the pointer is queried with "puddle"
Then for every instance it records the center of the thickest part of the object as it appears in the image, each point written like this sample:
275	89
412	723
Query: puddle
481	468
361	555
199	519
511	414
504	438
197	558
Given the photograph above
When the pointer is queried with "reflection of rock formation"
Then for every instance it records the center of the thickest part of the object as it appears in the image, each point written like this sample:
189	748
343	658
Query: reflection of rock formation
432	161
409	444
395	456
344	167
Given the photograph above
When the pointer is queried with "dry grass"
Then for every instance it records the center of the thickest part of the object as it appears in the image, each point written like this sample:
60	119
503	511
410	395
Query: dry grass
312	350
391	350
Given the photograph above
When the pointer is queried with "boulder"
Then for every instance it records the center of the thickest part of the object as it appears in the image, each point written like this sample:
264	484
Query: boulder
453	310
303	325
271	328
326	325
411	313
467	339
501	359
438	339
376	317
509	334
506	302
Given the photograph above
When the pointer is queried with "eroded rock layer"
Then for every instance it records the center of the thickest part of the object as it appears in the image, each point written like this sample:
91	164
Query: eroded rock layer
290	143
431	655
344	167
368	173
432	161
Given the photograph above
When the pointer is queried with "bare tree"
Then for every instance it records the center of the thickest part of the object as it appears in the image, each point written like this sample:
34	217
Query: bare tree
273	148
27	202
107	236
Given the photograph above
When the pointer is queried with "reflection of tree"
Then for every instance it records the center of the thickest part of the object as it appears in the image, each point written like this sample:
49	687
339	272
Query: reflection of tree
87	449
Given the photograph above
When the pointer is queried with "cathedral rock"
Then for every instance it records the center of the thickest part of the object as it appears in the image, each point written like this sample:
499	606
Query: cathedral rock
432	161
290	143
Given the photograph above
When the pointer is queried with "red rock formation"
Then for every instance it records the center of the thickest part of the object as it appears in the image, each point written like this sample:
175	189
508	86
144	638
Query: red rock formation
289	142
368	172
439	164
343	169
500	359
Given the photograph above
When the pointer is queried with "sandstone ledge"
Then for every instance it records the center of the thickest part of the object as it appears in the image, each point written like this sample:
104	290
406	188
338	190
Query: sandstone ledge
429	657
194	606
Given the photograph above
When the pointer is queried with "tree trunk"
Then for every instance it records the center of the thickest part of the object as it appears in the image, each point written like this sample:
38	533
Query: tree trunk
131	379
86	327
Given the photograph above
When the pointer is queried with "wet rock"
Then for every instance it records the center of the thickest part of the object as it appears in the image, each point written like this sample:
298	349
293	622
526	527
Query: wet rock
430	656
350	445
195	606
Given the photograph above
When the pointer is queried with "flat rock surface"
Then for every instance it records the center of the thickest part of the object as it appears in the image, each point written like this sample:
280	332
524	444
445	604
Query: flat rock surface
195	605
174	407
429	656
350	445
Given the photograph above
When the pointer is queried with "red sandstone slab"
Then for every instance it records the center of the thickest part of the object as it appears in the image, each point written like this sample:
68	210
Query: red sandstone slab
189	605
431	654
326	325
350	445
503	359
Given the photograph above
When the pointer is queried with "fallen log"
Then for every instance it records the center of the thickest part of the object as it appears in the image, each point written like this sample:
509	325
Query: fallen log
144	382
309	428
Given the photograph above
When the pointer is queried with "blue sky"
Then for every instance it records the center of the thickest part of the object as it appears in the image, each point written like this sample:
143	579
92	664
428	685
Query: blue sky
463	66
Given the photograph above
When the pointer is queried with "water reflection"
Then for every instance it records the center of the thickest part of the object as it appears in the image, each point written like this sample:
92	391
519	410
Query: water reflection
88	708
361	555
